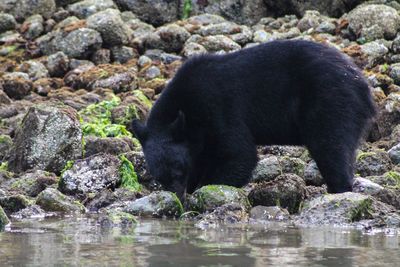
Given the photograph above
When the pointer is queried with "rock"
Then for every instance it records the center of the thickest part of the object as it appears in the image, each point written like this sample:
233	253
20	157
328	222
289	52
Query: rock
365	186
138	161
193	49
122	54
5	146
396	45
394	73
230	213
16	85
14	203
91	175
394	154
157	204
53	200
169	38
7	22
261	36
106	198
48	137
22	9
33	27
375	53
311	20
31	183
217	43
152	72
287	191
390	179
341	209
101	56
4	221
388	117
272	213
209	197
84	9
57	64
267	169
108	145
363	17
243	12
372	163
114	218
79	43
31	212
292	165
34	69
111	27
4	99
312	176
155	12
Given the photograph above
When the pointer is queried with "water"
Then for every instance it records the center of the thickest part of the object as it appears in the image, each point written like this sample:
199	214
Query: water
81	241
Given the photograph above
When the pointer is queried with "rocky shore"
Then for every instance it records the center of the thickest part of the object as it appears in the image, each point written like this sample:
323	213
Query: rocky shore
73	74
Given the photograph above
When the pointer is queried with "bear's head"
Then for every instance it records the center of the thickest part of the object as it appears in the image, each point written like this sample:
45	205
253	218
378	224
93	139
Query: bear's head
166	153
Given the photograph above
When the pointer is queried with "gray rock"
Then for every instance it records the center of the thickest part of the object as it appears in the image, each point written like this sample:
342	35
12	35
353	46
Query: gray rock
311	20
341	209
326	27
312	176
388	180
375	53
57	64
4	99
138	161
34	69
205	19
91	175
155	12
261	36
193	49
108	145
365	16
22	9
152	72
123	54
230	213
13	203
373	163
30	183
287	191
33	27
157	204
31	212
115	218
101	56
53	200
169	38
110	25
209	197
80	43
7	22
394	73
243	12
48	137
272	213
218	43
292	165
267	169
365	186
5	146
84	9
394	154
144	61
4	221
396	45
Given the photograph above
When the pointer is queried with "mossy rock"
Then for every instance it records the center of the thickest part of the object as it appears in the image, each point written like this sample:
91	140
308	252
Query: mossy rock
53	200
117	218
14	203
3	219
209	197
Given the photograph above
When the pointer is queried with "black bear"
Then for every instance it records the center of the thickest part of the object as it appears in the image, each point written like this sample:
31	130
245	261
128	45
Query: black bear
206	124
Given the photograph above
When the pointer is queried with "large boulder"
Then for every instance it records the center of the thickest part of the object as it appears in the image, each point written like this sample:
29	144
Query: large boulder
155	12
110	25
91	175
22	9
48	137
80	43
382	18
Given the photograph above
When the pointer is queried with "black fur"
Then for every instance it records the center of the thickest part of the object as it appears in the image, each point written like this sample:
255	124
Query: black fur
205	126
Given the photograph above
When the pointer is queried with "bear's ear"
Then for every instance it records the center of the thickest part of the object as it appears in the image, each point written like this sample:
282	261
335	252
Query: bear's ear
178	127
139	130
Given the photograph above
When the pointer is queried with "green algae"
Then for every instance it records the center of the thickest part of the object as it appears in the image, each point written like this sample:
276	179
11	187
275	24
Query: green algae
187	9
128	175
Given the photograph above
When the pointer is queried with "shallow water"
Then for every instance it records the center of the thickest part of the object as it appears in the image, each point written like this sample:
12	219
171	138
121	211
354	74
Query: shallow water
81	241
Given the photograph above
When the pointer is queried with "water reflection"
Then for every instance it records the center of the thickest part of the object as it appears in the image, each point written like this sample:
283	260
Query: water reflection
157	243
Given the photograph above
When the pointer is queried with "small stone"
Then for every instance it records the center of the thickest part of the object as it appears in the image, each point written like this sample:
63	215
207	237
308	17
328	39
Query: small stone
230	213
193	49
152	72
91	175
33	27
271	213
114	218
122	54
57	64
34	69
287	191
365	186
375	52
292	165
157	204
144	61
84	9
101	56
16	85
53	200
312	176
261	36
372	163
209	197
310	20
217	43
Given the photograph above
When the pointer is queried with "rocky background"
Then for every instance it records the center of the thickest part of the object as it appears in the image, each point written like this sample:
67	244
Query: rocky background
73	74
